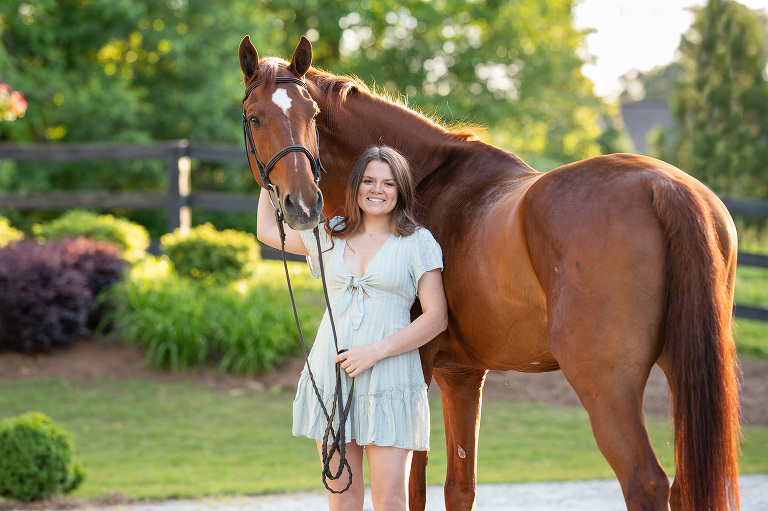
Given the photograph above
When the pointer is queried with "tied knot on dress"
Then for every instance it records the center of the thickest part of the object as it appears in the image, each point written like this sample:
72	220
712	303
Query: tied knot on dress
352	297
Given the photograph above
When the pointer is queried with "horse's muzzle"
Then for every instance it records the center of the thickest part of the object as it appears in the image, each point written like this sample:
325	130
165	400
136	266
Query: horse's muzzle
301	214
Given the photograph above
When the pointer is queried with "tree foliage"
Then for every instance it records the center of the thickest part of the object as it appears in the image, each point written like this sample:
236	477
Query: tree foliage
141	70
720	107
656	84
129	70
513	67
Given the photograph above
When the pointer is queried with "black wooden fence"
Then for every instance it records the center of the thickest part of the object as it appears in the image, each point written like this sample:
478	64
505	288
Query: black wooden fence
178	199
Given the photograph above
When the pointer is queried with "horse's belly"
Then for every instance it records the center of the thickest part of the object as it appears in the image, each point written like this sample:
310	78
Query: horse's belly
499	332
497	305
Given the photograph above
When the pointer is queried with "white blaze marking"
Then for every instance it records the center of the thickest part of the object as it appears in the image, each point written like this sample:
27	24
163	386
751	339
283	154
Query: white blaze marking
281	99
302	205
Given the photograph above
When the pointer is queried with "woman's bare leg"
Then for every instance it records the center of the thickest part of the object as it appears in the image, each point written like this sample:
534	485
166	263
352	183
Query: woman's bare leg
388	468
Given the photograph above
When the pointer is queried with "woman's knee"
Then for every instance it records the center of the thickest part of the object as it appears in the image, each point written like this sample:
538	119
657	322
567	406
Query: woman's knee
388	469
389	501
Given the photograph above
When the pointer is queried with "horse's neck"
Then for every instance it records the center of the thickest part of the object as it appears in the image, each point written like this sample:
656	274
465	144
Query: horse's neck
435	154
362	121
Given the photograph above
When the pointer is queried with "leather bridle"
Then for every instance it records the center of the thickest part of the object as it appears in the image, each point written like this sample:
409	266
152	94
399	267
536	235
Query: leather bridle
334	438
250	145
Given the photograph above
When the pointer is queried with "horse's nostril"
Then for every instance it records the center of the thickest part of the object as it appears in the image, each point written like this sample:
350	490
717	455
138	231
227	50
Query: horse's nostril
288	205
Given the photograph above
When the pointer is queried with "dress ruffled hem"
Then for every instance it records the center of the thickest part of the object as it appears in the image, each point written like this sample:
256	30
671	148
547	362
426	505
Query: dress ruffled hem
396	417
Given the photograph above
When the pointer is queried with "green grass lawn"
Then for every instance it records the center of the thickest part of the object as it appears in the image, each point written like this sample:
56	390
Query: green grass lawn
751	289
162	440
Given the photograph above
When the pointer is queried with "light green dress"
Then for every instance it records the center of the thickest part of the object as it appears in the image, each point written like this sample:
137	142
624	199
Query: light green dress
389	405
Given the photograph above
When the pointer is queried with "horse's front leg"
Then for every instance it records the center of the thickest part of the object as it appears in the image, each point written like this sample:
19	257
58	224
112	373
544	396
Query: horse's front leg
462	392
417	482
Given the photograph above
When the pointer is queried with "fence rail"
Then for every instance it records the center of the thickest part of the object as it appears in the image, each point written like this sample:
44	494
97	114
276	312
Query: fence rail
178	199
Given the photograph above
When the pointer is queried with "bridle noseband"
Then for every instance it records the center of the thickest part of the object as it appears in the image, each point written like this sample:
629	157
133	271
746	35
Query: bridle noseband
250	146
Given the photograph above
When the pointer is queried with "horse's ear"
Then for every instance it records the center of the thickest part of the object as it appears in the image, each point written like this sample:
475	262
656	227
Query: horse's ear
302	58
249	58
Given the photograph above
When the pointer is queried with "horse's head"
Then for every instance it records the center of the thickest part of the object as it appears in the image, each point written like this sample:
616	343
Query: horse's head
280	133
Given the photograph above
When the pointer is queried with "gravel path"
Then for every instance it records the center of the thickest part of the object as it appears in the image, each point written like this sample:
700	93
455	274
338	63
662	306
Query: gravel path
603	495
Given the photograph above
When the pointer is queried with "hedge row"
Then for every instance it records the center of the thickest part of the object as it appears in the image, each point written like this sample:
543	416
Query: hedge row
205	301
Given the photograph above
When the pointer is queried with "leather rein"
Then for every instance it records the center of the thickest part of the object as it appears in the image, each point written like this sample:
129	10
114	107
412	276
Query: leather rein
338	438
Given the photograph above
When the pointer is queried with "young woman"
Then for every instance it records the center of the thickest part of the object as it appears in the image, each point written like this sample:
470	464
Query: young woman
377	260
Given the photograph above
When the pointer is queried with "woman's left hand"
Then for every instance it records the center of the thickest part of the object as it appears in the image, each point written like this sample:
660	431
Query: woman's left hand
356	360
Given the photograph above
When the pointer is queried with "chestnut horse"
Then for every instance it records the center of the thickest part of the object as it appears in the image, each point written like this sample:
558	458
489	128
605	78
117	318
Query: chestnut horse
601	268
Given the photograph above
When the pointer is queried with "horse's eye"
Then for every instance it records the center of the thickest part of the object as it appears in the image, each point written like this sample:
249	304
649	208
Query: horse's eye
255	122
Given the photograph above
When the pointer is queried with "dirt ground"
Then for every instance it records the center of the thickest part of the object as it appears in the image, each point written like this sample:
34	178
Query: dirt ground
97	358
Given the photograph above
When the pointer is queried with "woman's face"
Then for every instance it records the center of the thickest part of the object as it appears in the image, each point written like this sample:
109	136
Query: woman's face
377	193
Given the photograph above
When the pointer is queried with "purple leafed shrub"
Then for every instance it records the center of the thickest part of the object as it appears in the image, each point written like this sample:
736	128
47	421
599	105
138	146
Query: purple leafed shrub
102	265
47	291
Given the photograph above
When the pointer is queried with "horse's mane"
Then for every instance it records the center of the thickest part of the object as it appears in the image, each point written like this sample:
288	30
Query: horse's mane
336	90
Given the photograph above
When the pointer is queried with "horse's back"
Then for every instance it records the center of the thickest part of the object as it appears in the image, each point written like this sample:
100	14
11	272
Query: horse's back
617	179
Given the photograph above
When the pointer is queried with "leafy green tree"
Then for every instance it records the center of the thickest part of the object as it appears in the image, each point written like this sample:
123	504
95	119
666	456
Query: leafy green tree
144	70
513	67
720	107
130	70
121	70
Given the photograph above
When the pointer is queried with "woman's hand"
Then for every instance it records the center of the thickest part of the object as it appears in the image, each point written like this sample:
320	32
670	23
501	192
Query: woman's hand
432	321
356	360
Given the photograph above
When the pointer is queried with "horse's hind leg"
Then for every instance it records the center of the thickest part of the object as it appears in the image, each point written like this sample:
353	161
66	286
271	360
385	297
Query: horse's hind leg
606	351
461	393
675	501
610	386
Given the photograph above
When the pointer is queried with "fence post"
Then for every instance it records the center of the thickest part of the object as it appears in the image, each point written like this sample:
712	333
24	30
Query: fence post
179	166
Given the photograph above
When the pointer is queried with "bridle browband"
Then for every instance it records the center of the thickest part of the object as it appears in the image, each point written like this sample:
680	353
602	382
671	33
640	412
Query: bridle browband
250	146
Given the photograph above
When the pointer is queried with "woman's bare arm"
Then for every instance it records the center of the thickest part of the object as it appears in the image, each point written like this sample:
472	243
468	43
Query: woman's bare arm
267	230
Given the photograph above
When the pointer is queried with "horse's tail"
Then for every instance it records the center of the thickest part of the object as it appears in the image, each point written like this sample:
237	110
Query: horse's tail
698	344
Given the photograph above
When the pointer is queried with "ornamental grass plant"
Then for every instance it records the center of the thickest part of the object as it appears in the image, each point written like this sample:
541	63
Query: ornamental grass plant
243	326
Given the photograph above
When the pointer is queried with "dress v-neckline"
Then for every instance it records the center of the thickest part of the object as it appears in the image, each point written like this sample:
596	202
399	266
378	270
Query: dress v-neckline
343	260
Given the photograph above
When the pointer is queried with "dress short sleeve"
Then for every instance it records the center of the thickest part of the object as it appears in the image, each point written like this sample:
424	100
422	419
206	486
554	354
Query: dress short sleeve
326	243
426	255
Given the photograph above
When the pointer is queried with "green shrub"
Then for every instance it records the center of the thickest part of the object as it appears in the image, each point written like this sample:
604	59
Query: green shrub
36	458
245	326
8	234
206	251
131	238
